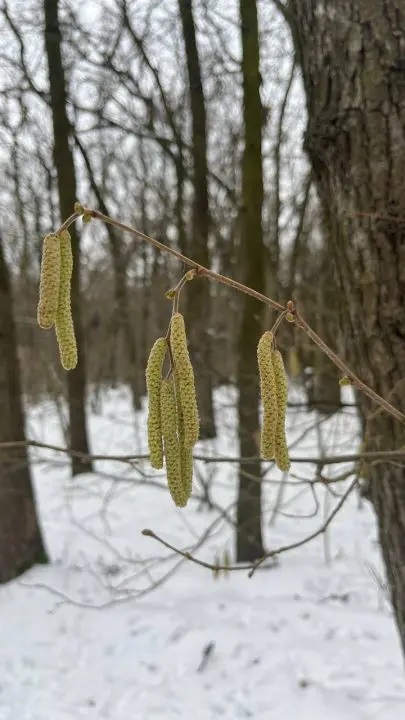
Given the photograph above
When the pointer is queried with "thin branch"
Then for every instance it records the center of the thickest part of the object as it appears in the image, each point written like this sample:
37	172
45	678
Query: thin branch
378	455
277	160
359	384
201	270
292	313
218	567
215	567
308	538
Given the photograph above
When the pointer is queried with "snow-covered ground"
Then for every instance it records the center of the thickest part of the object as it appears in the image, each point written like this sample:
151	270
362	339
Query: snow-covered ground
88	637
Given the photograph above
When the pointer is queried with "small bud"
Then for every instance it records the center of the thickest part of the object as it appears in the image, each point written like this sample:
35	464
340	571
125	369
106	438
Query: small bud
345	380
215	570
87	216
226	562
170	294
191	274
78	208
290	317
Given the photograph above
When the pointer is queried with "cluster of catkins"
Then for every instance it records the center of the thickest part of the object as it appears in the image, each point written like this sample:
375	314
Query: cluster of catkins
273	386
54	307
173	421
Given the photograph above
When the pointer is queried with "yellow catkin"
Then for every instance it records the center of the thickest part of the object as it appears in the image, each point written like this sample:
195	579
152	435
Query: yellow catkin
171	443
187	469
185	375
65	332
49	282
269	396
186	450
281	449
153	383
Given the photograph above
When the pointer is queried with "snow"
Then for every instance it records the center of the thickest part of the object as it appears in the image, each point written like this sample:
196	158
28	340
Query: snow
90	637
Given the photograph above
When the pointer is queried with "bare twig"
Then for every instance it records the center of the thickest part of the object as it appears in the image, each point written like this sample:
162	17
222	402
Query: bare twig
378	455
308	538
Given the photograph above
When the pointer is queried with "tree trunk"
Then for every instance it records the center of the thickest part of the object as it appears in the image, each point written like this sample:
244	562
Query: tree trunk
122	309
21	543
63	159
198	310
249	544
352	54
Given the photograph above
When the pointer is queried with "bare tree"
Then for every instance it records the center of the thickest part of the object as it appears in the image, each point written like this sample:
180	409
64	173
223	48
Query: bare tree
64	163
21	543
198	296
249	544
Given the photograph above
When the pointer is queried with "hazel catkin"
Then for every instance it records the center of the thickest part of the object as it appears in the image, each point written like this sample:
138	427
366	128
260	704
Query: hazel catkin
49	282
185	376
65	332
186	450
269	396
171	442
281	449
153	383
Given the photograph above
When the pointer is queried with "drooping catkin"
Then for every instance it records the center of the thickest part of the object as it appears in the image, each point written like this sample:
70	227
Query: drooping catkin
65	332
153	383
171	442
186	450
185	376
269	396
187	469
49	282
281	449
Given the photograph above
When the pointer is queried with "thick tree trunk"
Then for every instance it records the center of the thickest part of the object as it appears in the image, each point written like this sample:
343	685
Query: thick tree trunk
353	60
249	544
198	310
21	543
63	158
324	390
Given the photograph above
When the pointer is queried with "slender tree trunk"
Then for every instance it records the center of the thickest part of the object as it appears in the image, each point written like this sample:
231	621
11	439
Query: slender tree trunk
21	543
63	158
249	544
122	310
198	310
352	54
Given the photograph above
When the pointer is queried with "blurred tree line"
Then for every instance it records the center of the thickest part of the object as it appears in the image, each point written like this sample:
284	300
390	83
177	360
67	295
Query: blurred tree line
185	119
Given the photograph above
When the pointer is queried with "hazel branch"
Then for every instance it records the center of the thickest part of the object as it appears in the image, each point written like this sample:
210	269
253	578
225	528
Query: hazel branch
289	311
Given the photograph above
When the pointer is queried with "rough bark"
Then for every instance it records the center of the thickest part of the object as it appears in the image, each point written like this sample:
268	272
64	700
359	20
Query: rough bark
21	543
249	544
352	54
64	164
198	310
